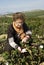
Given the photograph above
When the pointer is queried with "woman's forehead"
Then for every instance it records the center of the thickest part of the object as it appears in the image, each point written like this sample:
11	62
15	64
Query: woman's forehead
19	20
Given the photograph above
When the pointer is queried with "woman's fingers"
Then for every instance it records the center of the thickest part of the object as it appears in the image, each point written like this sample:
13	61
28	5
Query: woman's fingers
19	48
23	50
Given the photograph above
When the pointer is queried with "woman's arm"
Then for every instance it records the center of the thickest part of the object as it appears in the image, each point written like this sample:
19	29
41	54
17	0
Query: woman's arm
26	29
11	38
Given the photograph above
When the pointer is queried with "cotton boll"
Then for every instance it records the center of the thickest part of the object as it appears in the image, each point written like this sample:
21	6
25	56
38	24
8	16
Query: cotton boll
6	63
41	46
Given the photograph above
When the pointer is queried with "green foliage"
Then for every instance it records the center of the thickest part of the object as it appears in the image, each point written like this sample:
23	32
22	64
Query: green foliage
34	55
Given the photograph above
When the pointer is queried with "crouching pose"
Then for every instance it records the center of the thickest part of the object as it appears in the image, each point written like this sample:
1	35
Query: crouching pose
17	31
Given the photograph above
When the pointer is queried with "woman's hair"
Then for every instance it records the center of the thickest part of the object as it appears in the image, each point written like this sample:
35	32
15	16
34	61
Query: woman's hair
18	15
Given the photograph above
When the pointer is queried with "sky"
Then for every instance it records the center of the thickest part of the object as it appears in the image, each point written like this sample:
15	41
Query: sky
8	6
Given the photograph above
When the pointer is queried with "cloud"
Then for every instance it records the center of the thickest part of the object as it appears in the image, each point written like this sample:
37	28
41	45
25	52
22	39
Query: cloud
21	5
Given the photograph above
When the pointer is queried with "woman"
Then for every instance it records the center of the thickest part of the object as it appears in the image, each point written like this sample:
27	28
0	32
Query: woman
17	31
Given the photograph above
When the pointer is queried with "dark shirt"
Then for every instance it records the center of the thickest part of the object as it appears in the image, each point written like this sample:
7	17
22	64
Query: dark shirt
12	33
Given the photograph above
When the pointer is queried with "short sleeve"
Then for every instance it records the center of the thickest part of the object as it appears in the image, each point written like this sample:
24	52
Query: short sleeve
11	38
10	32
26	29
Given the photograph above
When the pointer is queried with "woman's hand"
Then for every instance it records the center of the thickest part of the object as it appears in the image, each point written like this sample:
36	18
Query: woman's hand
23	50
19	49
27	36
25	39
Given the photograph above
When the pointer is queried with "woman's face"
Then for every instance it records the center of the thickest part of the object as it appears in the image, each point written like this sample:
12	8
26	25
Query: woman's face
18	23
